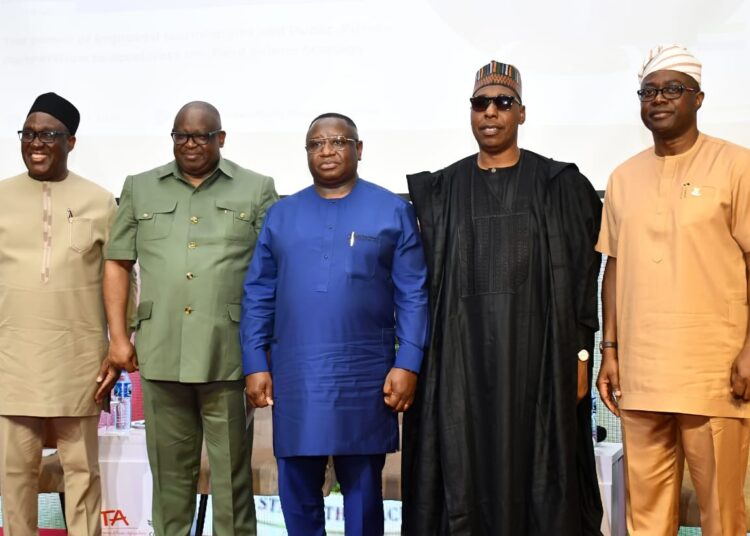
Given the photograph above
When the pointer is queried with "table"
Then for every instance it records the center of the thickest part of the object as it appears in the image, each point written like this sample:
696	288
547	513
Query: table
610	472
126	484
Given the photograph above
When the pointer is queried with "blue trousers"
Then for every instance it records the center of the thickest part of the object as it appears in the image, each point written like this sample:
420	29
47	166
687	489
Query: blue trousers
300	489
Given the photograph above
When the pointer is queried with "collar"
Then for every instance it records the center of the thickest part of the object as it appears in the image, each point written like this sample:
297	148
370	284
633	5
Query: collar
173	170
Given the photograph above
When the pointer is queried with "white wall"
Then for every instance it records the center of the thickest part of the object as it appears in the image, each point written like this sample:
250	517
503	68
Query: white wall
403	70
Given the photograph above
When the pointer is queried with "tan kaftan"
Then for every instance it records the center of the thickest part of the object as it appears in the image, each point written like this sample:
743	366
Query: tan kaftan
52	326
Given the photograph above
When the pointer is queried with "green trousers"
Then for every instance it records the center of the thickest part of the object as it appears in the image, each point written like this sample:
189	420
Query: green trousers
178	416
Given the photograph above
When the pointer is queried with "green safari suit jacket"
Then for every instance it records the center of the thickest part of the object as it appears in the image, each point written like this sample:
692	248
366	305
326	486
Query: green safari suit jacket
193	246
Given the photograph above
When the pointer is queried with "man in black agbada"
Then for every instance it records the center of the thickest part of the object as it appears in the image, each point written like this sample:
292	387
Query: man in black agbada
499	439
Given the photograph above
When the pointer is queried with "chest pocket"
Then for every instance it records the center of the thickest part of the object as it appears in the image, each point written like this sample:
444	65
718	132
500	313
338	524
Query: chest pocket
362	256
697	204
238	219
81	234
155	221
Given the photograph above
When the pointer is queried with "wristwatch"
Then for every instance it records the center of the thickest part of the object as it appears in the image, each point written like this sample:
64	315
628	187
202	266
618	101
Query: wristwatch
607	344
583	355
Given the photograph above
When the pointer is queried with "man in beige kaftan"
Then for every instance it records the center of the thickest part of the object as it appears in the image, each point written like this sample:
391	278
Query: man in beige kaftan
53	335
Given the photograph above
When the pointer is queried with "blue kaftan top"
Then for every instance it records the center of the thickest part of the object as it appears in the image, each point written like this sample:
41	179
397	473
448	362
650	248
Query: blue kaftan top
332	284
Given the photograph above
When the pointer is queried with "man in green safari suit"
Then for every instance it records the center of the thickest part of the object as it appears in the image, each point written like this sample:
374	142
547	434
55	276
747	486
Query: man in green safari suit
192	226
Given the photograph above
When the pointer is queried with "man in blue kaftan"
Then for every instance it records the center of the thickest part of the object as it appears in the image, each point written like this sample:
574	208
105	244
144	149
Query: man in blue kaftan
337	279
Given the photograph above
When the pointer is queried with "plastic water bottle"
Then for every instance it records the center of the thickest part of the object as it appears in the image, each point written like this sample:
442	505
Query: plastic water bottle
121	398
594	396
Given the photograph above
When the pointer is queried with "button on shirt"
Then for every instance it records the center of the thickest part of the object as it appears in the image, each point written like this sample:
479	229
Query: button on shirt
193	246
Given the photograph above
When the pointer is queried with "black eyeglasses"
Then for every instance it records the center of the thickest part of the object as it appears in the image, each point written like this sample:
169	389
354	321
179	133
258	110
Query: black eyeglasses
181	138
502	102
45	136
338	143
670	92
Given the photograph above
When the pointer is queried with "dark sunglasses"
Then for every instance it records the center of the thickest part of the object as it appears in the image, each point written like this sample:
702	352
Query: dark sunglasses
502	102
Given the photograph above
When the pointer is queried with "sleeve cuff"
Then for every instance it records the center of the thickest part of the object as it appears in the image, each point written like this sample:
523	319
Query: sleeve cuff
254	361
409	357
606	247
120	255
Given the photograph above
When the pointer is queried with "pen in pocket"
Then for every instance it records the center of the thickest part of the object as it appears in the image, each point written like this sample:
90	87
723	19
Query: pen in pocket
685	186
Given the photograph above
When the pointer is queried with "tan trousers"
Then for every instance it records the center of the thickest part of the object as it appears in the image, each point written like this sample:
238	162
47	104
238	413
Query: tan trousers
21	440
716	451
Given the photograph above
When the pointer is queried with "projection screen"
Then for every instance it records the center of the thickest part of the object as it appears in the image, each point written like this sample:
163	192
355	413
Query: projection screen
403	70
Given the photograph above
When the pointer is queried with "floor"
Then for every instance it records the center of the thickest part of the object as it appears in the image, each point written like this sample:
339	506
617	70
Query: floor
50	516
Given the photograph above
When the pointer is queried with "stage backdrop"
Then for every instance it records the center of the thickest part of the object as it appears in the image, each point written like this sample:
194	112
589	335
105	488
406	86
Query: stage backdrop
402	69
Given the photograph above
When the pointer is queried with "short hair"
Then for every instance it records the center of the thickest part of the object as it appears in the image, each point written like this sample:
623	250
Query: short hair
334	115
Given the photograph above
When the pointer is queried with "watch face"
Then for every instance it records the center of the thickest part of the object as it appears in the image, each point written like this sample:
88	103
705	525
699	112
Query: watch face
583	355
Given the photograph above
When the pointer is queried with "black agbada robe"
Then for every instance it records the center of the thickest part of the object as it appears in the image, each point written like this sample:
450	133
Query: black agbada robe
495	443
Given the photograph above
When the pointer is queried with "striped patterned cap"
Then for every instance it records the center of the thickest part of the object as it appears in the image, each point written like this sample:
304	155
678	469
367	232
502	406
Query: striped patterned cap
498	74
671	58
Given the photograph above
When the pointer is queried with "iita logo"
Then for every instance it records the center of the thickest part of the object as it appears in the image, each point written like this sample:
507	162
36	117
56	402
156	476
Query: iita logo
113	518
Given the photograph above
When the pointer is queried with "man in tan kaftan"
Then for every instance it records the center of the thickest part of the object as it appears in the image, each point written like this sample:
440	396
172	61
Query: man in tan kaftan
676	351
53	335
